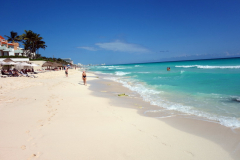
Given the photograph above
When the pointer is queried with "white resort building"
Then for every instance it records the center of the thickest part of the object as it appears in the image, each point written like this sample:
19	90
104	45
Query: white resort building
9	49
12	49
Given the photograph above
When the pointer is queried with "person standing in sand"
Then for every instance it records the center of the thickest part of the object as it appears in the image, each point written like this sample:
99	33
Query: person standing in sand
66	72
84	77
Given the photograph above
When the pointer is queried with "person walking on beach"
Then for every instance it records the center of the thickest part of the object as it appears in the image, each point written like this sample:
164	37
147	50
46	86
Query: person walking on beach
66	72
84	77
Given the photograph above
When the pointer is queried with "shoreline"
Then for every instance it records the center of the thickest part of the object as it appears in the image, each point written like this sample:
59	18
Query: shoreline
54	117
227	138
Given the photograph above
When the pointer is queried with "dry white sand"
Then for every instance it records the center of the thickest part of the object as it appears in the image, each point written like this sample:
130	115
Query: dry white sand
57	118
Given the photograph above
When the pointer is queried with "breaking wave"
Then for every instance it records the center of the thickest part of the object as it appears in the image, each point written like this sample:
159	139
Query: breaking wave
122	73
152	96
209	67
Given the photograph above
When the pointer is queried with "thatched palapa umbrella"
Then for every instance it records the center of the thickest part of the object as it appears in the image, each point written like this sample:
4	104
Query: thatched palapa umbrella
47	64
51	64
8	60
57	64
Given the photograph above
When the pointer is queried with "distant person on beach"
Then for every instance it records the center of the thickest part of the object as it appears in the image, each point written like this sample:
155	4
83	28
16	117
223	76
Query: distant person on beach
168	68
84	77
66	72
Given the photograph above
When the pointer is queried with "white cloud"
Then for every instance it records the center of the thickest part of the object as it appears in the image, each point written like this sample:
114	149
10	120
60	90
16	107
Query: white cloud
88	48
122	47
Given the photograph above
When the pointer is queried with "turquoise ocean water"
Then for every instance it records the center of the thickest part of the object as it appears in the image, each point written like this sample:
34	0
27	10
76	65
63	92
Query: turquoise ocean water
205	88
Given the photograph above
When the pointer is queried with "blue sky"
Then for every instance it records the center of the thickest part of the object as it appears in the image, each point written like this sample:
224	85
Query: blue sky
127	31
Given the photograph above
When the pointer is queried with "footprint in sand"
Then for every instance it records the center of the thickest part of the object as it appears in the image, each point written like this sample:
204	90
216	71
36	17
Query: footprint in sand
32	156
29	139
34	144
23	147
164	144
155	136
40	120
189	153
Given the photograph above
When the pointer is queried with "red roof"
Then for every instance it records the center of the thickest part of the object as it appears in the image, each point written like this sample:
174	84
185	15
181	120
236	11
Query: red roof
10	44
4	42
1	37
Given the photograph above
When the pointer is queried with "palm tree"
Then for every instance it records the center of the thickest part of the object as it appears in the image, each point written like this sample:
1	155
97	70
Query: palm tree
32	41
38	56
39	44
13	37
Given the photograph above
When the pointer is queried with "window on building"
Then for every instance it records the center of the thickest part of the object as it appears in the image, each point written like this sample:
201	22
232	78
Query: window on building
16	54
5	53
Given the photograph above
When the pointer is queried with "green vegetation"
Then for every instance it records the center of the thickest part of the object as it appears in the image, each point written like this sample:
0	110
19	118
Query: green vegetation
59	60
32	42
13	57
14	37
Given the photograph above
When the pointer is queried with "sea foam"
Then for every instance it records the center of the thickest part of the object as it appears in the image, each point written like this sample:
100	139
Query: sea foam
154	97
138	66
122	73
209	67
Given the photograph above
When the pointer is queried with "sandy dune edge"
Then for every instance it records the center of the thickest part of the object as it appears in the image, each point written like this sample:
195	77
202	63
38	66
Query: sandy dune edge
57	118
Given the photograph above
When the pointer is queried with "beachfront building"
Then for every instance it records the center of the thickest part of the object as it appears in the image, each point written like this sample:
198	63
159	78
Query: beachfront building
4	49
68	60
12	49
9	49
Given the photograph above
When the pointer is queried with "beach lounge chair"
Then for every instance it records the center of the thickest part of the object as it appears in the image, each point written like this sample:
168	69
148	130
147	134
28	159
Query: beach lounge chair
2	76
33	76
27	75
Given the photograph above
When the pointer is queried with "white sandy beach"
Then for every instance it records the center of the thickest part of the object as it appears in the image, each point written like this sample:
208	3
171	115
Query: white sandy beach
57	118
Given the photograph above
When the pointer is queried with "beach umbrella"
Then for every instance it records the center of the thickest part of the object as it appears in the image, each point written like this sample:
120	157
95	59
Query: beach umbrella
55	64
33	65
24	64
8	60
46	64
20	65
3	63
10	63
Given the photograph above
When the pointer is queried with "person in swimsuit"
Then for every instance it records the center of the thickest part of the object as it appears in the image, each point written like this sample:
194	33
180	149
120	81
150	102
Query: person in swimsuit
84	77
66	72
